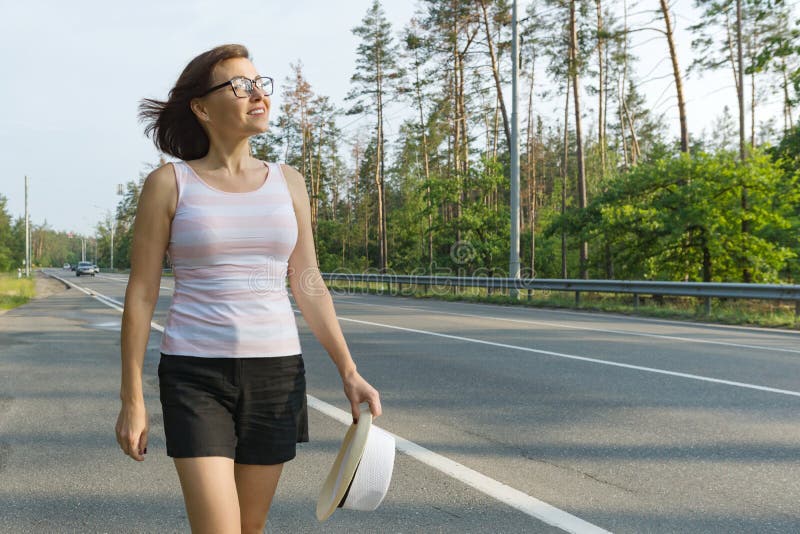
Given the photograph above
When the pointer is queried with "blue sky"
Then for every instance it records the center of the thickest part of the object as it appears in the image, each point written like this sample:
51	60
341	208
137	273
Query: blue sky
75	72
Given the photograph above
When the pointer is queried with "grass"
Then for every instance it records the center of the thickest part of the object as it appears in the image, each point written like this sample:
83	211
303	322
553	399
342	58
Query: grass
769	314
15	292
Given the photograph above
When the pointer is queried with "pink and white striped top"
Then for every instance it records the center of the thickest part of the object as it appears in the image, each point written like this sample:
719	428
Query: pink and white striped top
229	253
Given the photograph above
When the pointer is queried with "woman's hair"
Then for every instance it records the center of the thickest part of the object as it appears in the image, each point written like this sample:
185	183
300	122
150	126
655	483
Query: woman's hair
172	124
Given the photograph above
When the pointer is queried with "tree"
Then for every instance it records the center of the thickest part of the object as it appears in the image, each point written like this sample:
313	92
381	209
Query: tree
126	215
669	227
451	27
376	69
496	73
415	50
780	53
676	73
575	61
8	258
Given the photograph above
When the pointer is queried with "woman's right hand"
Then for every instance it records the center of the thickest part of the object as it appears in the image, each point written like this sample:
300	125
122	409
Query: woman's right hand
132	428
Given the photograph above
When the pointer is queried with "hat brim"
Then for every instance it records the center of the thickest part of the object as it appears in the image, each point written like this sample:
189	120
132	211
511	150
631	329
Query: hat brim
344	467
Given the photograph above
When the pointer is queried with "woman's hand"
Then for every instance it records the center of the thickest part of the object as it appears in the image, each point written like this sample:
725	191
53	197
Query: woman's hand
357	391
132	428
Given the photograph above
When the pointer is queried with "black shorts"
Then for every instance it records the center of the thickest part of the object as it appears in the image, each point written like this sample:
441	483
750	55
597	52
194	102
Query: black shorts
250	409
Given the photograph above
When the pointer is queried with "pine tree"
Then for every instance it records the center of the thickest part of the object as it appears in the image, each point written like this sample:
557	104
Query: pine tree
376	70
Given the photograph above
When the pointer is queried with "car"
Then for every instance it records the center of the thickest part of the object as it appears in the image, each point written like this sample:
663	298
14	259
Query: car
67	267
84	267
96	268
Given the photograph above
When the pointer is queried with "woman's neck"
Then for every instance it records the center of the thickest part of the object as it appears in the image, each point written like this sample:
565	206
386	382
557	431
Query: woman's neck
231	158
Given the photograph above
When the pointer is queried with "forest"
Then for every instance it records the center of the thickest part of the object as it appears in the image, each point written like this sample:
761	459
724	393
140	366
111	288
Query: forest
410	174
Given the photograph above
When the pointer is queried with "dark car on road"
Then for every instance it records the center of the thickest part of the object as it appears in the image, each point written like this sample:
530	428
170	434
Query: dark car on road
84	267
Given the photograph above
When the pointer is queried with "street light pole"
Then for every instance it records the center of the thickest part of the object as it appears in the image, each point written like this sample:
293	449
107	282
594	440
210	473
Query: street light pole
120	192
513	268
113	225
27	234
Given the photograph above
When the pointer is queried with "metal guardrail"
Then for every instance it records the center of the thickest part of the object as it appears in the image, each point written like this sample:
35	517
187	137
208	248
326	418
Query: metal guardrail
703	290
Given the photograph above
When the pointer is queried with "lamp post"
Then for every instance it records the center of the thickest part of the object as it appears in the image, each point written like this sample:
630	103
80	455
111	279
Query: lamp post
120	192
27	234
513	263
113	227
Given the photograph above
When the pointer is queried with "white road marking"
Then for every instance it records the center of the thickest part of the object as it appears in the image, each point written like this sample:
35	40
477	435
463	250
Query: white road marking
108	301
759	329
115	304
497	490
506	494
581	358
125	281
637	318
587	328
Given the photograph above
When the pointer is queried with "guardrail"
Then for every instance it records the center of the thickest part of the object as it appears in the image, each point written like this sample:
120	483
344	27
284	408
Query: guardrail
702	290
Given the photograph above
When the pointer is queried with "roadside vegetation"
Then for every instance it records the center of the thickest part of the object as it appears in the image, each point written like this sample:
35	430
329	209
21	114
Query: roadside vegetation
15	292
723	311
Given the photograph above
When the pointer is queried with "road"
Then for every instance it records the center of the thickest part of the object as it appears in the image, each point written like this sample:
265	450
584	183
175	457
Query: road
508	419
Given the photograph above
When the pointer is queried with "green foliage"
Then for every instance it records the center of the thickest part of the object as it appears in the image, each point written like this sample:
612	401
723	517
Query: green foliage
15	292
376	49
126	215
681	219
787	152
652	214
8	257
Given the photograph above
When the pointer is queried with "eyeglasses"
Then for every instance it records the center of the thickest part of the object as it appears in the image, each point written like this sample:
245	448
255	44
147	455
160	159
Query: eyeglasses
243	87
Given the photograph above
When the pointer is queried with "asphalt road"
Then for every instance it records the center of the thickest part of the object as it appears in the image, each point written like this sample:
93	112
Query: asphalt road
617	423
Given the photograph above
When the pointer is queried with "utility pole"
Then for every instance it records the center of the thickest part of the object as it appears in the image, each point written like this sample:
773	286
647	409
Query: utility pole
113	225
120	192
27	233
513	268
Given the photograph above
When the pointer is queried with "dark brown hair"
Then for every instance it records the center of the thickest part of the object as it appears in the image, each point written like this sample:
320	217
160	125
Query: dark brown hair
172	124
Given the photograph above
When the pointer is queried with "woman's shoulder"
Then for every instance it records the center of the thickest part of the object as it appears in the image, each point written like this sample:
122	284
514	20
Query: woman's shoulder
291	174
160	186
296	185
162	175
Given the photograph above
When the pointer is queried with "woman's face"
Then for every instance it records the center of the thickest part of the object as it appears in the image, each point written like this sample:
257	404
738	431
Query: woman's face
222	112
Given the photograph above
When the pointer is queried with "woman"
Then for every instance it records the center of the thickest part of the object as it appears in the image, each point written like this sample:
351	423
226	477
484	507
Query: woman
231	375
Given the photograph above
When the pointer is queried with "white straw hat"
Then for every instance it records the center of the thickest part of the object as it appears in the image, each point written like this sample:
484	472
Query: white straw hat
360	476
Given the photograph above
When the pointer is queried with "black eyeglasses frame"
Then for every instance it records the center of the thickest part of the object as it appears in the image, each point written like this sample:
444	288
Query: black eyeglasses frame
252	85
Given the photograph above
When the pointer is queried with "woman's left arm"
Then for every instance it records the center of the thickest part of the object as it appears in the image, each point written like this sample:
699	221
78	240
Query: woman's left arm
315	302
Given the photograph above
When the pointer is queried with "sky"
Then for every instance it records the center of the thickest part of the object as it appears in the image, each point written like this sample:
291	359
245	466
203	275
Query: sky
74	73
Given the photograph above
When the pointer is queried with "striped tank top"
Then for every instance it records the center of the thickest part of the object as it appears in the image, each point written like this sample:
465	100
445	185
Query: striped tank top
229	253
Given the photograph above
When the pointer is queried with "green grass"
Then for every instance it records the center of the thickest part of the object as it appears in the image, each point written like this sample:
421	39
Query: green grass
15	292
724	311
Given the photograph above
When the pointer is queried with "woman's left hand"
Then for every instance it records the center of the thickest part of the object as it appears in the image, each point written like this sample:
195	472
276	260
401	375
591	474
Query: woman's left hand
358	390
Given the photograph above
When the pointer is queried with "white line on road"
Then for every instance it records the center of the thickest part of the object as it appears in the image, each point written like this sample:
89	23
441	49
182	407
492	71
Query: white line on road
550	353
506	494
108	301
125	281
581	358
573	327
588	328
493	488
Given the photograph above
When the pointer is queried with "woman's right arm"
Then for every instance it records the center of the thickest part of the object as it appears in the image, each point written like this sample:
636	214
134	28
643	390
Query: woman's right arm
151	231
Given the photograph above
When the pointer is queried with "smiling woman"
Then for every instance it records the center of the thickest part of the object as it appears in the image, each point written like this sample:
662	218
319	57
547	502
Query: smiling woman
231	374
173	124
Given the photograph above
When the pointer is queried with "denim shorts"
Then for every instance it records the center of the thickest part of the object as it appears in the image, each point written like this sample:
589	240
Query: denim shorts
252	410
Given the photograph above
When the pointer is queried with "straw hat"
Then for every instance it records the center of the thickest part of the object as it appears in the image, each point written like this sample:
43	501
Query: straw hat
360	476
